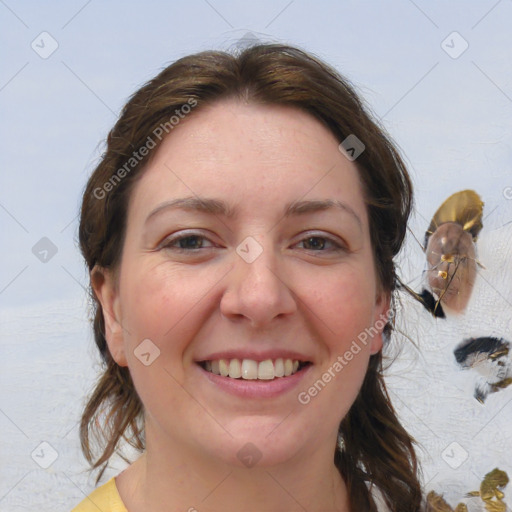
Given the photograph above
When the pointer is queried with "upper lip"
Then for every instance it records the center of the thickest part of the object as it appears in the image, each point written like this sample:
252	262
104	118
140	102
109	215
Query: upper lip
256	355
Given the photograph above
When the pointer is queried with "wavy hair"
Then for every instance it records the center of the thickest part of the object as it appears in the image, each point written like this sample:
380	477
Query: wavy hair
375	448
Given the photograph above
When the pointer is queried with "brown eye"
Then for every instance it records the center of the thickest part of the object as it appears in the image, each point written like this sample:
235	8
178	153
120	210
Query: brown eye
186	243
318	243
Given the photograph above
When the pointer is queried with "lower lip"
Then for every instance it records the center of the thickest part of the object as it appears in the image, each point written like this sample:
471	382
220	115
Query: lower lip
256	388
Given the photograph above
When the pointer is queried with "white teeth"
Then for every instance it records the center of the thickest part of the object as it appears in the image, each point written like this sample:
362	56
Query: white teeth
235	369
252	370
224	367
279	368
249	369
266	370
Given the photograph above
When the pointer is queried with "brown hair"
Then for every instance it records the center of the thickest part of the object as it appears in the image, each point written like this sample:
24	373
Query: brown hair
377	449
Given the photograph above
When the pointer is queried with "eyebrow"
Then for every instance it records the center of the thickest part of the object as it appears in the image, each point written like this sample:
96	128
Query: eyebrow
219	207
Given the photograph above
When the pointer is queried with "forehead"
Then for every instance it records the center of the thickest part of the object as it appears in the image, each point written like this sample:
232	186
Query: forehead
255	156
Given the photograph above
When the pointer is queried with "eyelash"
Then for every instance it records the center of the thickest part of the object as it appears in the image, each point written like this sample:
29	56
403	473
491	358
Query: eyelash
168	243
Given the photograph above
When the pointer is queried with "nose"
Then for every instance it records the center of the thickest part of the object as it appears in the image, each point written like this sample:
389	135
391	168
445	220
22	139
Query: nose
258	290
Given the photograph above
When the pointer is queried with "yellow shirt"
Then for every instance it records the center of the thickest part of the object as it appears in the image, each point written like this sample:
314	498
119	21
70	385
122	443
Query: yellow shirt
104	498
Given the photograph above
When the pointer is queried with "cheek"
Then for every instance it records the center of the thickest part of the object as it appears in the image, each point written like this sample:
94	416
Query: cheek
346	314
158	304
344	303
157	300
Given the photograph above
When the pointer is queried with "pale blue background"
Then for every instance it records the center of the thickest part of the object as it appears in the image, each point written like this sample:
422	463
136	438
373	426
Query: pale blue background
451	117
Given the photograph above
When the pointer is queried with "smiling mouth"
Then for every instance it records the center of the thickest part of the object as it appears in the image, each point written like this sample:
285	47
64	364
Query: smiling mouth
248	369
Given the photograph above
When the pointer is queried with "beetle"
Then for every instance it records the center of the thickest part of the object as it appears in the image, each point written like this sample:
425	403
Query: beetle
450	249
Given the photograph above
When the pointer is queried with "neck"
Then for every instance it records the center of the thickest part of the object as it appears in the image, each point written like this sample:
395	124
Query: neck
178	478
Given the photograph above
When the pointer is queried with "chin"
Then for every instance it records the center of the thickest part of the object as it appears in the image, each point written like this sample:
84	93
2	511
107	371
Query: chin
262	441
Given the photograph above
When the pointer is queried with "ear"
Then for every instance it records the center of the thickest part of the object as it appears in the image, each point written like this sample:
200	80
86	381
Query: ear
104	284
380	320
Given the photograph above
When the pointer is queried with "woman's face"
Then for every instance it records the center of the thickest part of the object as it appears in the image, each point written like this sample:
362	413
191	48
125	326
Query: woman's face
262	274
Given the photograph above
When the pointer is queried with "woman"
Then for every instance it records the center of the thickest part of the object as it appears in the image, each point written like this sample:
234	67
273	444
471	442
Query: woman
240	233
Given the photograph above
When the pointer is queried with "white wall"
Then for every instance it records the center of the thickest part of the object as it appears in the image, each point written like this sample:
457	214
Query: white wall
451	117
